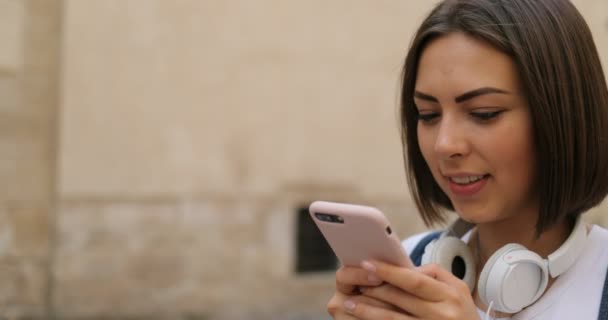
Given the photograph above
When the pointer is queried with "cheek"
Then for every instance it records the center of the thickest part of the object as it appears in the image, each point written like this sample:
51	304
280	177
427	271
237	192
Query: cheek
516	157
523	166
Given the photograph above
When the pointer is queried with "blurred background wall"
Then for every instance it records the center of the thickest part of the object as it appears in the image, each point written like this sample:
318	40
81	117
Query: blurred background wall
158	156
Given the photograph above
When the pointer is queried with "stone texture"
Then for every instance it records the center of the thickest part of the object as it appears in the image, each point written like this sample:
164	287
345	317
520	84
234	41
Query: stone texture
22	286
198	256
236	101
11	34
25	231
139	258
28	90
9	91
25	174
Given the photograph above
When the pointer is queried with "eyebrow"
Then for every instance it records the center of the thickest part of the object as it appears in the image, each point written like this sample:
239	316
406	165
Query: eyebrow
463	97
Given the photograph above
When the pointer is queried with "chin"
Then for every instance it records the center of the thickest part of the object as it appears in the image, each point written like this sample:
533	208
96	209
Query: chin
476	216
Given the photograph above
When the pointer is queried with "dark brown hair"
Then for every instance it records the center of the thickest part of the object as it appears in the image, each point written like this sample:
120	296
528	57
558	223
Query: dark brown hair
563	82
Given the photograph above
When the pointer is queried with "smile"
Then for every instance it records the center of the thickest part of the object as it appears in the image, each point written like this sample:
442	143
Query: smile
467	186
466	180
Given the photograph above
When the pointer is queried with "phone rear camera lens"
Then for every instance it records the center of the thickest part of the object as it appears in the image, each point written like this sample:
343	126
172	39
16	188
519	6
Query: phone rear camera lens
329	217
322	217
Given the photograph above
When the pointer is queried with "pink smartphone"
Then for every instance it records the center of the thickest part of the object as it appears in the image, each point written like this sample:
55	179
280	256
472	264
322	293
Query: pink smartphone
356	233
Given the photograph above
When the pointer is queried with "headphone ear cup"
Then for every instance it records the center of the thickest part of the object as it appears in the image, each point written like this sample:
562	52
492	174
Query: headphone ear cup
513	278
427	256
453	255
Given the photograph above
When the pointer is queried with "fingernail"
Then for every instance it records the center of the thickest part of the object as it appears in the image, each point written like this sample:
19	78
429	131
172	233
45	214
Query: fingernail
349	305
372	278
368	266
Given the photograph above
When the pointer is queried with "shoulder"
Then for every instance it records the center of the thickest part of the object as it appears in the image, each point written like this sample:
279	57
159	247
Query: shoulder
600	231
597	239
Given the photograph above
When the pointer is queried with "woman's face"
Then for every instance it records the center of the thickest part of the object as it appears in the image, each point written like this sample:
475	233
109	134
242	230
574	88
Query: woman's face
475	130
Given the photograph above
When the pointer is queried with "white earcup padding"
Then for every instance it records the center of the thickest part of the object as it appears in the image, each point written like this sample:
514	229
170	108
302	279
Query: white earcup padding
444	252
513	278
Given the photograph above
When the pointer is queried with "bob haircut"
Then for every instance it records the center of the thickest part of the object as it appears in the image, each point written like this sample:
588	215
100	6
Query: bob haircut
563	82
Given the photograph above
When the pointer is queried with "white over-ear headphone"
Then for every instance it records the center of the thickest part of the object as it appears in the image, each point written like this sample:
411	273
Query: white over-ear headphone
514	277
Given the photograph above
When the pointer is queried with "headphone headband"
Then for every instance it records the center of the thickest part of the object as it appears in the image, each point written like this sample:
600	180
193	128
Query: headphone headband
513	277
557	262
564	257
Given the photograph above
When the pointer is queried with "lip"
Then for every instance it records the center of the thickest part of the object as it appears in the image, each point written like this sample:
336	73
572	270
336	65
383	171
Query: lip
468	190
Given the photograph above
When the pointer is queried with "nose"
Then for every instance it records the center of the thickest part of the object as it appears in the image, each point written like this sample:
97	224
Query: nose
452	140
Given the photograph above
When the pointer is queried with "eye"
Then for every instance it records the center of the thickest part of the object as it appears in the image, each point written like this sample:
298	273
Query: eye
428	117
486	116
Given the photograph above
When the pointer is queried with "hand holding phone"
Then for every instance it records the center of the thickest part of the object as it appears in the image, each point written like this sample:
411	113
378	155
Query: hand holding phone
357	233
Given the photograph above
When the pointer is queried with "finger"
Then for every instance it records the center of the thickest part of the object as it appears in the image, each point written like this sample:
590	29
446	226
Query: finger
336	309
365	311
374	302
445	276
398	298
410	280
349	278
344	316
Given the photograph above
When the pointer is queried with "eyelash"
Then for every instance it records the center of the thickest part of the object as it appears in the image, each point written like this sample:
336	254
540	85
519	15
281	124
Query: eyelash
427	117
480	116
486	116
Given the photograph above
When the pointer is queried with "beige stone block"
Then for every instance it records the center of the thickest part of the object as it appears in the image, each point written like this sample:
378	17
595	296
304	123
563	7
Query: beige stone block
10	93
125	258
41	60
25	168
40	98
25	231
12	26
32	230
6	234
22	283
99	226
42	34
121	283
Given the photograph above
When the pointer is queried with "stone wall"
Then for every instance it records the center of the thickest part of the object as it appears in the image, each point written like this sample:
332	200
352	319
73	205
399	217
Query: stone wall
156	153
226	258
29	78
192	132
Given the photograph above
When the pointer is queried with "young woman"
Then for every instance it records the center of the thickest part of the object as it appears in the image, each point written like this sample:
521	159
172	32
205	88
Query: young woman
505	121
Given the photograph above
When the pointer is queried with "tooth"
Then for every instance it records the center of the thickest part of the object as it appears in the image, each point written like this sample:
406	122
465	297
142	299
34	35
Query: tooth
467	180
462	180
